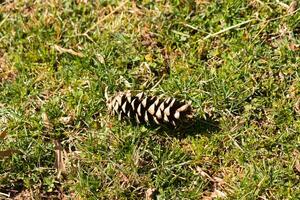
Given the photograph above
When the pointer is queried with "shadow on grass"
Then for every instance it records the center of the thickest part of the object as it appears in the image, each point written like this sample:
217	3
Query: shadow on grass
199	126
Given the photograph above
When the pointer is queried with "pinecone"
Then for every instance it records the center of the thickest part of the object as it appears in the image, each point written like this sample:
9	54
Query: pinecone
151	109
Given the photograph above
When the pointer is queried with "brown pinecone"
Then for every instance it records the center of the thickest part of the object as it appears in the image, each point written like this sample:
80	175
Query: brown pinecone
151	109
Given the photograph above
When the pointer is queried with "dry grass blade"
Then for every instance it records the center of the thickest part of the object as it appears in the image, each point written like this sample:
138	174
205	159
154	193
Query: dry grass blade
4	194
297	166
82	1
282	4
205	175
228	29
296	154
202	2
297	107
293	6
60	156
3	21
70	51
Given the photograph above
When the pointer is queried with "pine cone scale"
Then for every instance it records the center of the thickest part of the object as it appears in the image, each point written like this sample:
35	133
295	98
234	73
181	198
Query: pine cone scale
149	109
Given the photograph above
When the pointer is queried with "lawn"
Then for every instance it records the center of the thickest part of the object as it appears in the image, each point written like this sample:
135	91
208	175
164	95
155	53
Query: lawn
236	61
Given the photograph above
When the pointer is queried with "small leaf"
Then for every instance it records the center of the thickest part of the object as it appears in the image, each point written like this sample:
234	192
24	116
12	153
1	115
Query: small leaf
100	58
46	121
65	120
150	193
3	134
149	58
218	194
7	153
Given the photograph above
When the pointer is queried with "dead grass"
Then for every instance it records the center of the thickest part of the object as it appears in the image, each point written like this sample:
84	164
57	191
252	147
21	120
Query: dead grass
7	72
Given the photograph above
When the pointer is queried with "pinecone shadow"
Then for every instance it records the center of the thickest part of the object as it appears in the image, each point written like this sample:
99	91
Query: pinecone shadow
198	126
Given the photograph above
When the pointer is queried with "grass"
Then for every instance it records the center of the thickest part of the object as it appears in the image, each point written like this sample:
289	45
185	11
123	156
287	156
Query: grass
237	61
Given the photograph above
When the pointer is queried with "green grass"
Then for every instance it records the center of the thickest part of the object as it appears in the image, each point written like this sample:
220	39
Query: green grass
57	58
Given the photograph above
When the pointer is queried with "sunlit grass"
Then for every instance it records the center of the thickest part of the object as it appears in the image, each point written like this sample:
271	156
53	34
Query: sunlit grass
237	61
